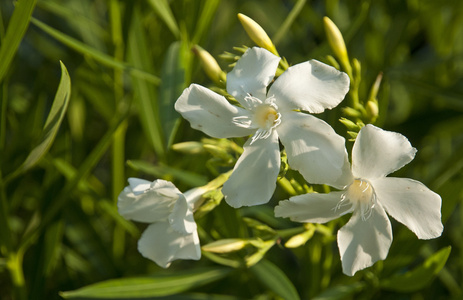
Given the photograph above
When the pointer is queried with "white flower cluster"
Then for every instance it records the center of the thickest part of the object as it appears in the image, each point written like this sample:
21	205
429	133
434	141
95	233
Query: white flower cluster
280	110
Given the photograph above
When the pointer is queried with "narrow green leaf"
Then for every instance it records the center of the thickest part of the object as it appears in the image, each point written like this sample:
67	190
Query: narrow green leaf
16	29
161	171
95	54
275	279
144	91
283	29
52	124
162	9
205	19
142	287
173	83
419	277
340	292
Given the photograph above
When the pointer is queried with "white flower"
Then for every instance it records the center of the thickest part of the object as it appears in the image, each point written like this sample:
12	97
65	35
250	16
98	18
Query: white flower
268	116
369	194
172	231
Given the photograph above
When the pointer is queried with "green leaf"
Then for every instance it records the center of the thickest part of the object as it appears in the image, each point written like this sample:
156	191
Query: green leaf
16	29
419	277
52	124
187	177
340	292
207	15
142	287
273	278
144	91
95	54
162	9
173	83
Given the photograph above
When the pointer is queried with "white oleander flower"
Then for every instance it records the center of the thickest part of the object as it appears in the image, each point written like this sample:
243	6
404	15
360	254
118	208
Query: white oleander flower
369	194
269	115
172	231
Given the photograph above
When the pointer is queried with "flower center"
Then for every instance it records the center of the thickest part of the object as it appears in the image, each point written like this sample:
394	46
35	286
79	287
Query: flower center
361	195
265	117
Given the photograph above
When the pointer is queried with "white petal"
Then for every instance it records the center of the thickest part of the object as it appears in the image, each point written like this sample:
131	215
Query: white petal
314	149
312	208
181	218
254	177
363	242
252	74
155	204
377	152
193	195
411	203
162	244
211	113
311	86
138	185
190	248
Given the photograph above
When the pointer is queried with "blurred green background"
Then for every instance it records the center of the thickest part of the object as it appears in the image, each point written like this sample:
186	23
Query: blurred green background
129	61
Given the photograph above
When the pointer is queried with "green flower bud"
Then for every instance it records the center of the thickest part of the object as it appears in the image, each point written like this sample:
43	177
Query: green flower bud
210	65
257	33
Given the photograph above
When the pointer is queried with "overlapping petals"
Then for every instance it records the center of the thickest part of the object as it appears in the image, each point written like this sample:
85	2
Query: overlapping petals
172	231
367	236
267	116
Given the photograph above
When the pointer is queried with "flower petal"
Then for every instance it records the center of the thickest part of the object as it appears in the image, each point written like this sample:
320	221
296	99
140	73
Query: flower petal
162	244
252	74
181	219
312	86
411	203
139	186
254	177
314	149
211	113
155	204
363	242
377	152
312	208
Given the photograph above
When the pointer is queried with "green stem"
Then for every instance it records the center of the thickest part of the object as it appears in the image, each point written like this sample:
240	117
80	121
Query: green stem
284	233
14	265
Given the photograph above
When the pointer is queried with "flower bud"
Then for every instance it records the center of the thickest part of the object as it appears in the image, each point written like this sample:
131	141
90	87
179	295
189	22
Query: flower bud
300	239
225	246
336	42
189	147
209	64
257	33
372	110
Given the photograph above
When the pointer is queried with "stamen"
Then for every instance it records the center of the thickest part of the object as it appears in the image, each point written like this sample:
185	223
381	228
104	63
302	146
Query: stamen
361	195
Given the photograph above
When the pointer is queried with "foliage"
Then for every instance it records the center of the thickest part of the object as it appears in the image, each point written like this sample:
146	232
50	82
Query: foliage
66	156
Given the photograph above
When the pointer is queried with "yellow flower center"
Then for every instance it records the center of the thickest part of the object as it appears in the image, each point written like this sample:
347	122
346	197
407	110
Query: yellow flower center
265	116
361	195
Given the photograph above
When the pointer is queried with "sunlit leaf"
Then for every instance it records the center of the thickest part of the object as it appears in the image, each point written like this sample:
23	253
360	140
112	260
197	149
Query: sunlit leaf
16	29
419	277
53	122
274	279
142	287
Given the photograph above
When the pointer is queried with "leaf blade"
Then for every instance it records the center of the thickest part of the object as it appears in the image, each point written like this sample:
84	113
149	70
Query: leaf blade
142	287
14	34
